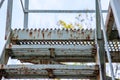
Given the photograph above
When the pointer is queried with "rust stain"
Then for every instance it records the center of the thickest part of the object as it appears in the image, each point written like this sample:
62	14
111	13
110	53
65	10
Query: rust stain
30	33
83	32
38	33
1	66
88	37
16	37
49	34
43	35
10	45
50	73
71	36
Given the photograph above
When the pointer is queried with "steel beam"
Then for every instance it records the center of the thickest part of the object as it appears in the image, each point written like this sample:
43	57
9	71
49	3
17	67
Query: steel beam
63	11
53	34
106	43
26	14
38	60
59	71
102	60
98	21
4	55
100	42
74	47
81	76
8	18
59	52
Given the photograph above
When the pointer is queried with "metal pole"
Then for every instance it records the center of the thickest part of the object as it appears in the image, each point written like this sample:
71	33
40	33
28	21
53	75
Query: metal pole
100	45
8	18
98	22
64	11
1	3
106	43
26	14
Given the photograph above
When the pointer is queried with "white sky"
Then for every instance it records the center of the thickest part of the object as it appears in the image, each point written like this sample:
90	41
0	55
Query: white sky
44	20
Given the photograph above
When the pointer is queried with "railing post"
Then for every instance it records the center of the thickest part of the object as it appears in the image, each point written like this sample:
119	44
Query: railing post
101	52
26	14
106	42
8	18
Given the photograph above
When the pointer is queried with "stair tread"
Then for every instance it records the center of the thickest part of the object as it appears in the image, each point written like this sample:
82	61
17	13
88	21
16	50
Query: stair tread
49	71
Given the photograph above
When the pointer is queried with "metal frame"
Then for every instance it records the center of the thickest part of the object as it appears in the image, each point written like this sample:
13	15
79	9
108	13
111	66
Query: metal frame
26	14
8	19
16	42
100	57
52	71
105	41
63	11
27	11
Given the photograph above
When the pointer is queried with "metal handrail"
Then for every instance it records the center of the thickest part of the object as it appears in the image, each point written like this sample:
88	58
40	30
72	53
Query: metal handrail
105	40
98	54
63	11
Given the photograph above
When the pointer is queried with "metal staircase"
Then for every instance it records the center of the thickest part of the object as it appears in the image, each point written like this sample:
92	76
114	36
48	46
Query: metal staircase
49	49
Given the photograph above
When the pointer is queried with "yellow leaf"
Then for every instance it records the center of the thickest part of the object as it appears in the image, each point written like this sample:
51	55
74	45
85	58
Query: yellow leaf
67	26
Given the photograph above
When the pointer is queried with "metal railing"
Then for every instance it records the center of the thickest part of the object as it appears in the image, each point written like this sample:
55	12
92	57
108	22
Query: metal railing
105	40
26	11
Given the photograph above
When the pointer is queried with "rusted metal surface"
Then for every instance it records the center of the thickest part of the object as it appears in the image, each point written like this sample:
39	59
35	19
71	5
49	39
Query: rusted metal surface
58	52
37	60
61	51
52	52
53	34
49	71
